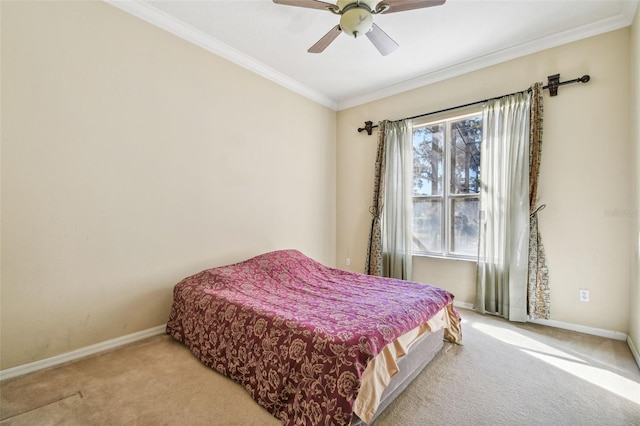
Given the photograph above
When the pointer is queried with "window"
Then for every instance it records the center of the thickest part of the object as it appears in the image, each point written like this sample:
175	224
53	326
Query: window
446	186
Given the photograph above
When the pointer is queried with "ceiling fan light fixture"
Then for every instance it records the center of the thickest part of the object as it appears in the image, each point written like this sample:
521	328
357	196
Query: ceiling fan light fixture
356	18
356	21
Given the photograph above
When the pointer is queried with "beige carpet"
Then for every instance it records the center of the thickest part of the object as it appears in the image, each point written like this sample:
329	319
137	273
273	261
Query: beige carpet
504	374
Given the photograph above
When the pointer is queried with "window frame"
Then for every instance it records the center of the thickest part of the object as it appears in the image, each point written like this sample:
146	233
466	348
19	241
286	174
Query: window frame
447	196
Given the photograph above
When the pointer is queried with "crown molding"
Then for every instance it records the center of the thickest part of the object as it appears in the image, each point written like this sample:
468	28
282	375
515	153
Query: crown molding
168	23
622	20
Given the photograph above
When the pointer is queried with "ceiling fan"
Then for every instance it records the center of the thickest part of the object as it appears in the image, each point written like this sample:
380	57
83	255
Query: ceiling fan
356	18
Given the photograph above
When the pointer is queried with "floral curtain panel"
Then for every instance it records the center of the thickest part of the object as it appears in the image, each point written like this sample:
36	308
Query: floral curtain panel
538	296
373	262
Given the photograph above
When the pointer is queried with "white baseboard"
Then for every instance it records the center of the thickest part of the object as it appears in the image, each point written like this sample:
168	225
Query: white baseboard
634	350
615	335
80	353
463	305
140	335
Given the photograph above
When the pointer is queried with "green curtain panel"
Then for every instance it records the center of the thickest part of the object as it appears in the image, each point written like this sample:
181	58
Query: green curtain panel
397	213
501	286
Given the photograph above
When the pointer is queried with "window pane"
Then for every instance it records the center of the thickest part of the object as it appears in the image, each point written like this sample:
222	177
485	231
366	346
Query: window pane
427	225
428	163
464	236
466	136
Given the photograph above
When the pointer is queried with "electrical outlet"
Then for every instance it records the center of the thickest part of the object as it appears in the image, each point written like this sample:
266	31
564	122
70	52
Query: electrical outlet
347	261
584	295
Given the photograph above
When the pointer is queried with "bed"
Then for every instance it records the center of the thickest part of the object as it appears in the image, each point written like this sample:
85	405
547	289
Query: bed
312	344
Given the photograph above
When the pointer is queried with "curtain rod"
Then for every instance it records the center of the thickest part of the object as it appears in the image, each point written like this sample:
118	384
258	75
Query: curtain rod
552	85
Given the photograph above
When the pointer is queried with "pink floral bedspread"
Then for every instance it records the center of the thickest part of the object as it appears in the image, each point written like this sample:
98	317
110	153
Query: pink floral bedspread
295	333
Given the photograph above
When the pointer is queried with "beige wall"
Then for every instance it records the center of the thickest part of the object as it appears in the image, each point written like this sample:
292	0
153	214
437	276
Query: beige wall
634	314
585	173
131	159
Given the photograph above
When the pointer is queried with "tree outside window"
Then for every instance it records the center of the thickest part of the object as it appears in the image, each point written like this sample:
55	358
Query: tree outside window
446	186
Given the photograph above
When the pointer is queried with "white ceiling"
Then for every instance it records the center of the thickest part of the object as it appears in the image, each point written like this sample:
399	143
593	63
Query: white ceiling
435	43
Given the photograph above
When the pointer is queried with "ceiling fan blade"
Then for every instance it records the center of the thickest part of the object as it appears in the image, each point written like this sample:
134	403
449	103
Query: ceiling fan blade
326	40
381	40
311	4
402	5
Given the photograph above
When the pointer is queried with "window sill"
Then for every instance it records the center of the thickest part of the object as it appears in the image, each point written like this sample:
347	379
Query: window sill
434	256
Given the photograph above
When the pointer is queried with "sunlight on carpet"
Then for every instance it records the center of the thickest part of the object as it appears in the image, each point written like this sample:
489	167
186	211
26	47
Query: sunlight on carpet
578	367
